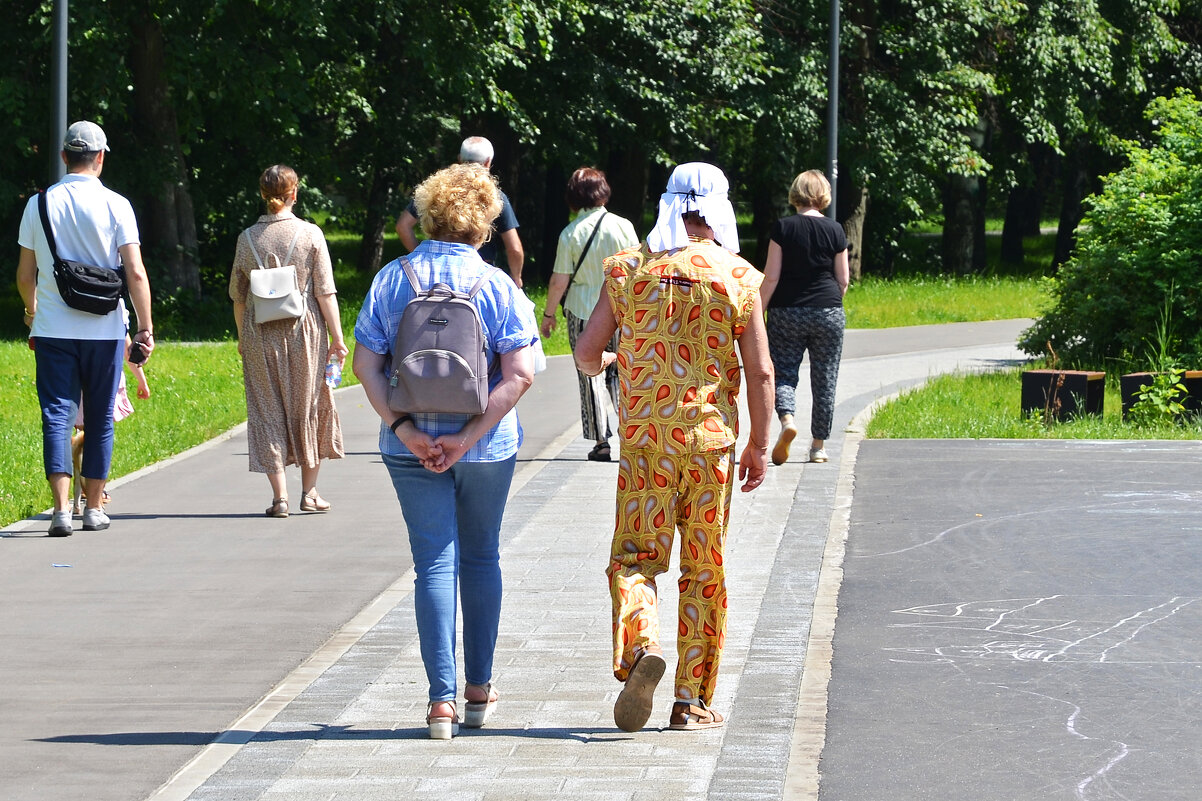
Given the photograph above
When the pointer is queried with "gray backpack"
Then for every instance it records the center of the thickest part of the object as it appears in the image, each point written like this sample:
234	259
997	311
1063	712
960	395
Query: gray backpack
439	361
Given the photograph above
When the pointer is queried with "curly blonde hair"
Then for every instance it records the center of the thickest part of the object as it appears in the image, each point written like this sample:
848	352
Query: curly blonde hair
276	185
458	204
810	190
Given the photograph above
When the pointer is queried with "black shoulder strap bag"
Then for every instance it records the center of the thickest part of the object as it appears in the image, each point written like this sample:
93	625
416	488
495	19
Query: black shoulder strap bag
564	297
86	287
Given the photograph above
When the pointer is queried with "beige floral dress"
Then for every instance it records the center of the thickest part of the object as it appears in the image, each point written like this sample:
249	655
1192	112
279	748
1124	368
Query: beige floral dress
290	413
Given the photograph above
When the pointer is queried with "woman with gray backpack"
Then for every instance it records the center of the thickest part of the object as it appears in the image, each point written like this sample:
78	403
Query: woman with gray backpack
444	354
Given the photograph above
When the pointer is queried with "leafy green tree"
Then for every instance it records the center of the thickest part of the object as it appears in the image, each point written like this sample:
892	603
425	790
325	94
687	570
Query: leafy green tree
917	80
1073	77
1140	243
632	86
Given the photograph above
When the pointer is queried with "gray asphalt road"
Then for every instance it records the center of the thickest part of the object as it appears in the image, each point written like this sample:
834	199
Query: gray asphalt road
1019	621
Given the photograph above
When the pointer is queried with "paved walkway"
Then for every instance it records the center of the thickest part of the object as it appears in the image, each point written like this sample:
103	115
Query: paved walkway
205	651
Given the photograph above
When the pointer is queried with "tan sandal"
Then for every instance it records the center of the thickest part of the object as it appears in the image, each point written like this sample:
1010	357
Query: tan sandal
688	716
476	713
278	508
442	727
780	453
312	502
632	710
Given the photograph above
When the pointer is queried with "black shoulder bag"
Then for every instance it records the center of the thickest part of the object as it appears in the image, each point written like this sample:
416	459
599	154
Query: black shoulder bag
564	297
86	287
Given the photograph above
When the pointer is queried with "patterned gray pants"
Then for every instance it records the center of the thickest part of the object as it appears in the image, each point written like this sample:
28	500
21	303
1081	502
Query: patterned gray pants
593	419
791	332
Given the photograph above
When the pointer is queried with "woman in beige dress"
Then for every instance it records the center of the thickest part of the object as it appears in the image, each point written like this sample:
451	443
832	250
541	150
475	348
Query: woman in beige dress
290	414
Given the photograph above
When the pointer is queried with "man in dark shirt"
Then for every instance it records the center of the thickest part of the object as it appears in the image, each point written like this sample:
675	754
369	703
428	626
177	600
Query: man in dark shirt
479	150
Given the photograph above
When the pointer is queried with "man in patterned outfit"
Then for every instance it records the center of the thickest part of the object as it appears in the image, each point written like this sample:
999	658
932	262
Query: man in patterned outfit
682	301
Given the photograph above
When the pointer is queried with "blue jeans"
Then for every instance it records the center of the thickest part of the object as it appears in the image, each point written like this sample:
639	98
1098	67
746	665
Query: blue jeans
69	369
454	521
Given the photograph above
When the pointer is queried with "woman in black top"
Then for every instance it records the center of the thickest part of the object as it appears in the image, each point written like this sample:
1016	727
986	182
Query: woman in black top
805	278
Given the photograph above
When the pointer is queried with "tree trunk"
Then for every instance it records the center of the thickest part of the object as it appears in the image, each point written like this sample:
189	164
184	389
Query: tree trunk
379	199
628	171
555	217
769	174
1076	181
980	257
854	226
1012	227
169	230
1044	161
959	220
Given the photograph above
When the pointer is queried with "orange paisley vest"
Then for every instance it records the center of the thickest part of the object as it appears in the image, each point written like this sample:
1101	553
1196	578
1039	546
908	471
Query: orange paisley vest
679	316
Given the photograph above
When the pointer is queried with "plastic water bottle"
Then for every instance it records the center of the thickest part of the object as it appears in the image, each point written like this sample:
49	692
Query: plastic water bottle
333	374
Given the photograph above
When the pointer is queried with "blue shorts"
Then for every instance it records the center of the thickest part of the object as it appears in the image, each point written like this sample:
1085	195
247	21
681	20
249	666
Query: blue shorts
70	369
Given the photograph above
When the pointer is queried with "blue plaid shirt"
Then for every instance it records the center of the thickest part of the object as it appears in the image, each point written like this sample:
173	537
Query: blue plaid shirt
457	266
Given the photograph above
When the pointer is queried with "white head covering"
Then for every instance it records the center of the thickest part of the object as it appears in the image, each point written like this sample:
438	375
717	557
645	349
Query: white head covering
698	187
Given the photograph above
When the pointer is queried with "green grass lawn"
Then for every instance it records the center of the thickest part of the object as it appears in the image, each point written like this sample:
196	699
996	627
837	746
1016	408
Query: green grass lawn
987	406
924	300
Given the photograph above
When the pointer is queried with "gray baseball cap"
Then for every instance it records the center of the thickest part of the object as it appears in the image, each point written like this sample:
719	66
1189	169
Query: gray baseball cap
85	137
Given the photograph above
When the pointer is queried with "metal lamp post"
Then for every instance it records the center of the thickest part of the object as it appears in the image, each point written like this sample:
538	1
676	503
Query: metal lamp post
832	109
58	90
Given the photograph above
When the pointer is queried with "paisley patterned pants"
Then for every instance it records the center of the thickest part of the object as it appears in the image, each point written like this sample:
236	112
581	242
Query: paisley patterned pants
658	495
791	332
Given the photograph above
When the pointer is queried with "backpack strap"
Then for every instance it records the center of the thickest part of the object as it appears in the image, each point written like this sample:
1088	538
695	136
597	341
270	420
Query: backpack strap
291	246
471	293
411	275
255	253
482	280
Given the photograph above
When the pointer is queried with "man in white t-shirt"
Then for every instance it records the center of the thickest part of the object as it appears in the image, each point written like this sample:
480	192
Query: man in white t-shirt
80	354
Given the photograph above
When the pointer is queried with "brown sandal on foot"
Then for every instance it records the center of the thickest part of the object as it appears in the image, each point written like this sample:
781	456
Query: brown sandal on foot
278	508
312	502
687	716
632	710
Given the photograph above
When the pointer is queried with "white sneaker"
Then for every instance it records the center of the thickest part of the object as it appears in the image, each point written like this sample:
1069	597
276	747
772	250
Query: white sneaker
60	524
818	455
95	520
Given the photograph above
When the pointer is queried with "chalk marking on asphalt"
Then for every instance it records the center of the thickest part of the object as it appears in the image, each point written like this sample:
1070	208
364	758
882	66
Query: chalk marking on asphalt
809	726
216	754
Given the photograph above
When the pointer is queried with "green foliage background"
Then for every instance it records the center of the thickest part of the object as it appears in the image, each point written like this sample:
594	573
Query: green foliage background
366	97
1140	243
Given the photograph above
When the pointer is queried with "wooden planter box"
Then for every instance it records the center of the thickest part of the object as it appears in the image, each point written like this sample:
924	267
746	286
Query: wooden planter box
1083	392
1130	383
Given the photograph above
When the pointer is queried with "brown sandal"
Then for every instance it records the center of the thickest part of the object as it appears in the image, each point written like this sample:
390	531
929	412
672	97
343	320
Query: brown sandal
278	508
632	710
688	716
312	502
